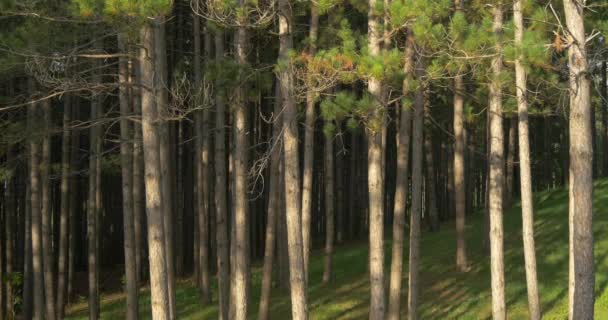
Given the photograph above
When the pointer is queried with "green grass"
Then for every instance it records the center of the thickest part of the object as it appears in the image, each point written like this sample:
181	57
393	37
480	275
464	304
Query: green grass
445	293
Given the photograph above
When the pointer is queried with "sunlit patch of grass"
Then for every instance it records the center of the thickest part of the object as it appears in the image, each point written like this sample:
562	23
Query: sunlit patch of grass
445	292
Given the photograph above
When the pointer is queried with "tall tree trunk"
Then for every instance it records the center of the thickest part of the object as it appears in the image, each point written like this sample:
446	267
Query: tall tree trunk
309	136
431	187
508	198
28	256
126	160
240	279
604	108
297	275
416	211
274	207
202	172
582	277
75	205
166	174
527	209
35	205
459	164
46	212
401	187
92	210
497	167
352	188
329	207
223	257
138	177
375	174
62	266
150	133
10	213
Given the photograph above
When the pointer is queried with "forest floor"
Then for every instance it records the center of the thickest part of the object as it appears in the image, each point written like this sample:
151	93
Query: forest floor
445	292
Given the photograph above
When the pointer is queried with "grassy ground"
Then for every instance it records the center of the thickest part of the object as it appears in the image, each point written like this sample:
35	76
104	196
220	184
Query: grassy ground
446	293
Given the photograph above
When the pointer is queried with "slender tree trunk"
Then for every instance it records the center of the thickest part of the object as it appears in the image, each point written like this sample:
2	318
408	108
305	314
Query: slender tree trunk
28	257
527	209
35	205
604	108
47	239
223	258
92	211
459	165
309	136
375	174
126	159
274	208
401	188
10	213
582	277
352	188
416	211
138	178
64	210
508	198
329	207
431	187
166	174
240	279
497	168
202	163
297	269
150	133
75	206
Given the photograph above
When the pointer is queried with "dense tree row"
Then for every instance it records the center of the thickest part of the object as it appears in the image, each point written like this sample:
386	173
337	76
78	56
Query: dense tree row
169	139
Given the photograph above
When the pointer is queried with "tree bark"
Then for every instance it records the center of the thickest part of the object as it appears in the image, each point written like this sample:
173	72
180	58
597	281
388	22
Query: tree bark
297	269
582	277
223	258
166	174
510	162
10	213
138	177
527	209
75	206
375	174
604	108
329	207
126	160
309	136
62	266
431	187
92	211
497	167
28	256
240	279
150	133
46	227
274	207
401	187
416	210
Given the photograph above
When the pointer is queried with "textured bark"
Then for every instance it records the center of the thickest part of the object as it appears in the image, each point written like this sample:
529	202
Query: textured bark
46	212
36	232
166	172
416	211
508	198
10	213
431	187
138	177
274	207
496	176
126	161
401	189
202	171
75	206
459	166
92	210
582	277
604	108
329	207
297	271
309	136
223	258
375	183
150	132
62	262
527	209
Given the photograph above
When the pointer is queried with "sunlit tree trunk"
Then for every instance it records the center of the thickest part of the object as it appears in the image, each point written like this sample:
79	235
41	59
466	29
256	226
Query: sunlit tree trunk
527	209
151	148
297	276
582	276
401	187
497	168
126	159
